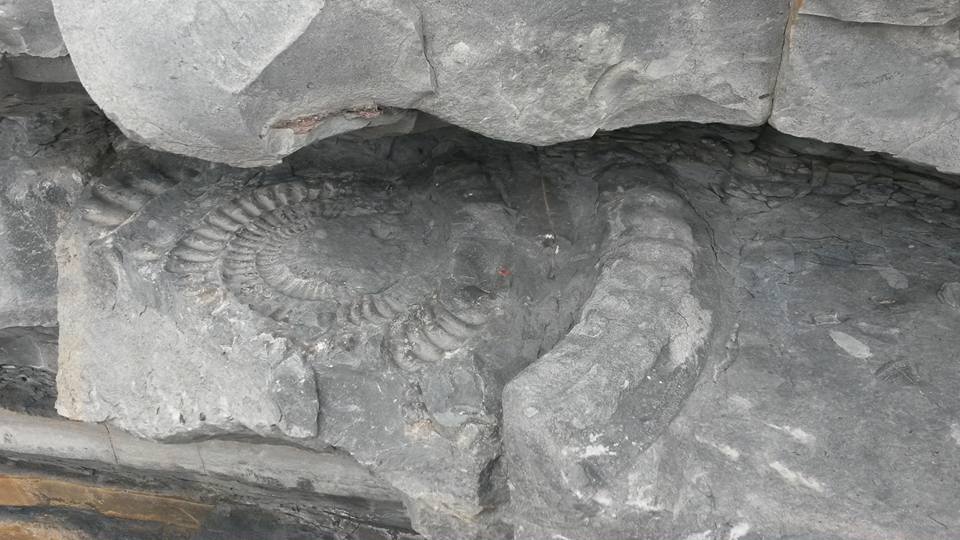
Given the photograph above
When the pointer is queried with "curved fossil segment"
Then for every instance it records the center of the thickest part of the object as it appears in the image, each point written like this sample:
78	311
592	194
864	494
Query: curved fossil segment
115	198
424	334
306	254
580	422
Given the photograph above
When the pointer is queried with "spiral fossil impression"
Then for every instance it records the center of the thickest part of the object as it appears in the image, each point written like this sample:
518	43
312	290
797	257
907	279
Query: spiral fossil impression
299	252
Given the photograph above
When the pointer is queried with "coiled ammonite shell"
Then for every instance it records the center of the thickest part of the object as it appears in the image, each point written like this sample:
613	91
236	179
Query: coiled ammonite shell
308	254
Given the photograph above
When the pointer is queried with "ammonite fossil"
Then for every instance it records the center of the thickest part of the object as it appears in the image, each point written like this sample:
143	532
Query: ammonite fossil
310	253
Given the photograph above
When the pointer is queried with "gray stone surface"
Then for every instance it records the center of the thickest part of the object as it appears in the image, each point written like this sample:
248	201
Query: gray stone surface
29	346
41	176
43	70
266	465
22	434
27	389
32	207
885	87
304	70
379	313
325	489
19	97
554	71
914	13
701	332
29	27
250	84
949	294
581	425
335	334
253	83
28	366
105	311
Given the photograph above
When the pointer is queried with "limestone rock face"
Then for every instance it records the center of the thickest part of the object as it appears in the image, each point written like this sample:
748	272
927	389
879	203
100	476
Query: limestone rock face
109	307
252	83
29	27
678	331
915	13
891	87
375	314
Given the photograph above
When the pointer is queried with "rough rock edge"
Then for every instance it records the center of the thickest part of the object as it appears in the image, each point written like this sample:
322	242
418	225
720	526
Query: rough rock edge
641	221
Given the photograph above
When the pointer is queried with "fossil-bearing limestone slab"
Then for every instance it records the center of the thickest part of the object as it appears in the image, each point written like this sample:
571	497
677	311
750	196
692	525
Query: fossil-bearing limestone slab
251	82
679	331
885	87
380	315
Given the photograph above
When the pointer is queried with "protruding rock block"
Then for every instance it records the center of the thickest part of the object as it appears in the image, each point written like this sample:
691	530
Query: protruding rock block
556	71
891	88
250	82
253	82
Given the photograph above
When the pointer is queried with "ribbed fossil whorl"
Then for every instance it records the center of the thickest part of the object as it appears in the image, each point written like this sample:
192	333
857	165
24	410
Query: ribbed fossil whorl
306	254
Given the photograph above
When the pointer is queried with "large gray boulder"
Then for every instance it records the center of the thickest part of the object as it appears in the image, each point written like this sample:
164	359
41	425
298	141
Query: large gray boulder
892	87
551	71
252	83
249	83
29	27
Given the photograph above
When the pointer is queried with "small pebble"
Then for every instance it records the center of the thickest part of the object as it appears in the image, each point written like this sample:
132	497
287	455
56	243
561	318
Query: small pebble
823	319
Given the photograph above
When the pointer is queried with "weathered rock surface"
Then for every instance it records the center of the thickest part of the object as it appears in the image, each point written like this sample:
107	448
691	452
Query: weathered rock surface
380	315
20	97
251	84
43	70
697	332
41	176
558	71
891	87
582	425
915	13
28	365
29	27
47	462
829	399
32	207
377	296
